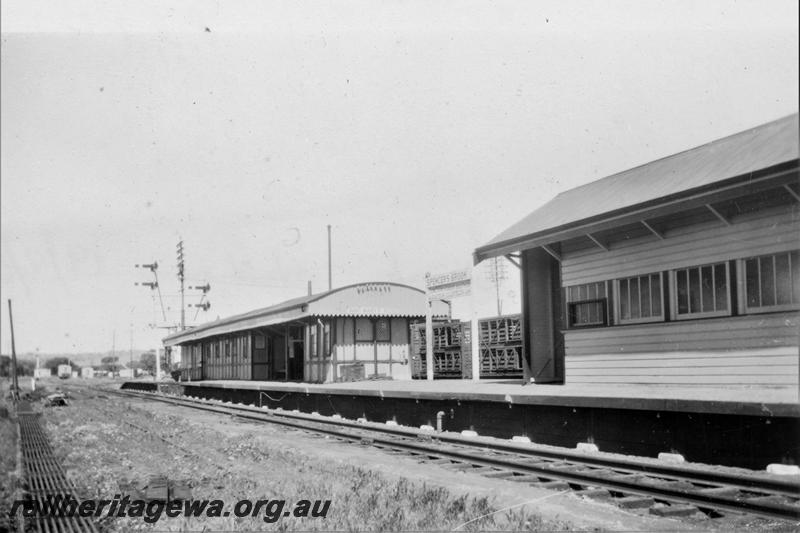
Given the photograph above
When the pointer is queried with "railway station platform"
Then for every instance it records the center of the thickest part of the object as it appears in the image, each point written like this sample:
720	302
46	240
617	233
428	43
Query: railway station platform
777	401
734	426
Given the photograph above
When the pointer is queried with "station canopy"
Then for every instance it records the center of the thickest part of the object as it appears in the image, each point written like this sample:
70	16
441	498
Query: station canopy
373	299
743	160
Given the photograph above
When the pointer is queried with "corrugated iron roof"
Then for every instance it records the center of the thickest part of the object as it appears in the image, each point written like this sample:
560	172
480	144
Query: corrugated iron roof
361	299
755	149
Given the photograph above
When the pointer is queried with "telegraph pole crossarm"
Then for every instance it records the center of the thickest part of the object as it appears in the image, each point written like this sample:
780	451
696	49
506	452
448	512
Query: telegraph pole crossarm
181	277
153	267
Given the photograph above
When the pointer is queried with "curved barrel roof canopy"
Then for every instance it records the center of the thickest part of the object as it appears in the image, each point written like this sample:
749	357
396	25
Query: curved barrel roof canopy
372	299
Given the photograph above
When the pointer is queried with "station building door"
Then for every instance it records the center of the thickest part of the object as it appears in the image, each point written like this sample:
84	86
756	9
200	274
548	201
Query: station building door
261	363
295	354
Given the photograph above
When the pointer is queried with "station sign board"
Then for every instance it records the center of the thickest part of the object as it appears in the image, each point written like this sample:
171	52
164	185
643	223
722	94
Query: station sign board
449	285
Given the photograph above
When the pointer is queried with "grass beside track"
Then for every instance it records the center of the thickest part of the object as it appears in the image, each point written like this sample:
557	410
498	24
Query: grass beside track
8	454
103	442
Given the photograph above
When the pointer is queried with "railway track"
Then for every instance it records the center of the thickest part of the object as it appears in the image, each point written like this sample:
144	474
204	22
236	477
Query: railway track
44	476
666	490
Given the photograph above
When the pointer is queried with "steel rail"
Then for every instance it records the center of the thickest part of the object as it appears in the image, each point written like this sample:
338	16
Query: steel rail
614	475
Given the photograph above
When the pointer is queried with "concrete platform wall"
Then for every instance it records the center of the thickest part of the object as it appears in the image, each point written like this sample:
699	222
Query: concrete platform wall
746	441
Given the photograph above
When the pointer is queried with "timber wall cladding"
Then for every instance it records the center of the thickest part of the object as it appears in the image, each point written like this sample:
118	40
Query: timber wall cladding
753	349
229	358
756	349
757	234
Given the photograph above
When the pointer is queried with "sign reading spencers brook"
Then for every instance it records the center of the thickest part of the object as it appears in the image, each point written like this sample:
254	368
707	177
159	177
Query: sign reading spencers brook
450	284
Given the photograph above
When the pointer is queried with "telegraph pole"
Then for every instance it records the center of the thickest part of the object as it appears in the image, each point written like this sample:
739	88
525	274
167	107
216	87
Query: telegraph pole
496	273
497	288
181	278
14	379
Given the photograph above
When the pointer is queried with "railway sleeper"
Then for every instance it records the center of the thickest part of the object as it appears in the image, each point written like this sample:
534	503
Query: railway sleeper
459	466
635	502
500	474
552	485
594	493
674	511
436	460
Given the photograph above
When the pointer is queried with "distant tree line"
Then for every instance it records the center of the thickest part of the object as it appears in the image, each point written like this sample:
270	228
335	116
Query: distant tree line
25	367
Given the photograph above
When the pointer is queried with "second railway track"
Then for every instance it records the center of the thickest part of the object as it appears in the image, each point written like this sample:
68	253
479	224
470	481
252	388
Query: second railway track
667	490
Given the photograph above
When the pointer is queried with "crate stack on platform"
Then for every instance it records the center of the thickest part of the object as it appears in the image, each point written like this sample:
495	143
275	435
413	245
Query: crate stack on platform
447	350
501	346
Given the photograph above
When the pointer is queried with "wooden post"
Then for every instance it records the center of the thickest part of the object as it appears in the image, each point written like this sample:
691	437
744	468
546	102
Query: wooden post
475	331
429	337
14	379
287	346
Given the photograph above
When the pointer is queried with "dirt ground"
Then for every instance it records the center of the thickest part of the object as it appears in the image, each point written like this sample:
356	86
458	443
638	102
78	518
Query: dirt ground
104	440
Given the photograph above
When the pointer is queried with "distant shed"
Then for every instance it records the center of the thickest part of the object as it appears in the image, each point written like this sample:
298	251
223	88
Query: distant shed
685	270
354	332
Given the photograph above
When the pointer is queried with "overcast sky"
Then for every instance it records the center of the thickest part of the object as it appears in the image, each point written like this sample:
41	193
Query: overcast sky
417	130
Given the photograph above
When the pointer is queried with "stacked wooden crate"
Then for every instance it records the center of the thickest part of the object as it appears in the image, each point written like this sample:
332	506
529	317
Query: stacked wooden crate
447	348
501	346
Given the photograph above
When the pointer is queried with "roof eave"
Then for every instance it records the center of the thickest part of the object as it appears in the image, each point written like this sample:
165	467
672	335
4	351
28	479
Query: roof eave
758	180
224	322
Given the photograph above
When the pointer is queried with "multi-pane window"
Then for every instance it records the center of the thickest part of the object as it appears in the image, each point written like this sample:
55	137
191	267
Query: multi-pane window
382	331
639	299
312	339
772	282
587	304
326	339
702	291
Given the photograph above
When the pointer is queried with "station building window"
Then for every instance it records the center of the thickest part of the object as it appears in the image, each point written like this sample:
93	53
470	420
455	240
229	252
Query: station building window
701	291
771	282
312	339
639	299
383	332
587	305
326	339
364	330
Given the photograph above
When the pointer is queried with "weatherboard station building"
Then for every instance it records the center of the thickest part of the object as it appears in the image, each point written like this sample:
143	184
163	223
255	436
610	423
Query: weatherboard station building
682	271
354	332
